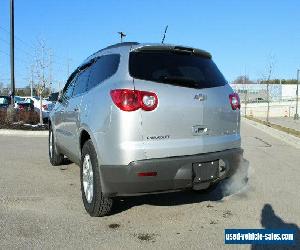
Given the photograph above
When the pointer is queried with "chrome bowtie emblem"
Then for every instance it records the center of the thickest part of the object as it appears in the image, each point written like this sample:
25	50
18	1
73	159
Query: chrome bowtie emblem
200	97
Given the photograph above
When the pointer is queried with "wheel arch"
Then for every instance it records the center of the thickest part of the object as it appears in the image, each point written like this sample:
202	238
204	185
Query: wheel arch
86	134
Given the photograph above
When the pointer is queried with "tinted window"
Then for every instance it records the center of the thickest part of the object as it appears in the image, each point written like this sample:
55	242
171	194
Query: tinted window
19	99
103	68
54	96
69	90
81	82
4	100
177	69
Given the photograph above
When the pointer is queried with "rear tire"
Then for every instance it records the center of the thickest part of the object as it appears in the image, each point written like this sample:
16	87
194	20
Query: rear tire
55	157
94	201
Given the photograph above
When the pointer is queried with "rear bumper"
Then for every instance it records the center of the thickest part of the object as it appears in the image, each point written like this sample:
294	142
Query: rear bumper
173	173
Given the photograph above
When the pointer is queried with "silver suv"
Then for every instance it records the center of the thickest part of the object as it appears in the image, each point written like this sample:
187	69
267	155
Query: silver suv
143	118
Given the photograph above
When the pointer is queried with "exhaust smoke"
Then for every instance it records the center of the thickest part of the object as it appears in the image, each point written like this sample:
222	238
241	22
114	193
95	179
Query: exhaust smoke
237	182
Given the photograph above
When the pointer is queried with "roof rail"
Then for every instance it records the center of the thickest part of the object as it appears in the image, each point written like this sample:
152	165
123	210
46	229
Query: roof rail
121	45
117	45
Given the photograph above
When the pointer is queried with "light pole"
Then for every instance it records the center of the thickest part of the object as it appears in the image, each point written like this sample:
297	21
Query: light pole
12	51
296	116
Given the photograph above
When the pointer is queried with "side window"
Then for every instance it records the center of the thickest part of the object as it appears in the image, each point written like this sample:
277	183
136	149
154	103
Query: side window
81	82
69	91
103	68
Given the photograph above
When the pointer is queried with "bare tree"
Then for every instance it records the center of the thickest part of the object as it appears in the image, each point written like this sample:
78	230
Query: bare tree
268	91
1	86
245	94
40	70
266	79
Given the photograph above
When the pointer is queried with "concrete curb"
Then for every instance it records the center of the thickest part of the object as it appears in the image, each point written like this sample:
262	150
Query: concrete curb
23	133
283	136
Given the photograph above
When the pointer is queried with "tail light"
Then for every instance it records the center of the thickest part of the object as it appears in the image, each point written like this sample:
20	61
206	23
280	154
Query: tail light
234	101
20	107
131	100
45	107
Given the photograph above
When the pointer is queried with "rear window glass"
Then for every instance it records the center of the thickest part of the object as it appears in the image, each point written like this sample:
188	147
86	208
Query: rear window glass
184	70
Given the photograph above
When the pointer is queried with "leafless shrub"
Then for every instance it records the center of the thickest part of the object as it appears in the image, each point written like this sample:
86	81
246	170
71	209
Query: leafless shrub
29	117
11	115
2	116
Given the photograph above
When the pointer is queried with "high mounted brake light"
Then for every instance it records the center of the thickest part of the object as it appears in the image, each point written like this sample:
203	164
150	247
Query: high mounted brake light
131	100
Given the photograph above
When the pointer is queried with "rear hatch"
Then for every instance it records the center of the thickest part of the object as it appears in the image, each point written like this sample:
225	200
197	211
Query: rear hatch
194	114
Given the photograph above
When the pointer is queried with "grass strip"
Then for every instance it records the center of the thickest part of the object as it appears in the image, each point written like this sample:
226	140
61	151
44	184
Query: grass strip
276	126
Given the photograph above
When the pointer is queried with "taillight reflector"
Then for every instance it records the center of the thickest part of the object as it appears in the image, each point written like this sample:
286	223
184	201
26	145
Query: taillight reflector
147	174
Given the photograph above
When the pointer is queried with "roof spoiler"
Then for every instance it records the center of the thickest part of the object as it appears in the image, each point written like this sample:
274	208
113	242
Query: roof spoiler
175	49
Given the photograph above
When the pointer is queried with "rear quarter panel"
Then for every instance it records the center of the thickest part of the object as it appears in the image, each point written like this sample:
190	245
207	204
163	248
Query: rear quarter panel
116	133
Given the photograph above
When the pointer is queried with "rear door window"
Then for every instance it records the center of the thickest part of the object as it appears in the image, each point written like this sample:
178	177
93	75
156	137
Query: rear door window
186	70
81	82
69	90
103	68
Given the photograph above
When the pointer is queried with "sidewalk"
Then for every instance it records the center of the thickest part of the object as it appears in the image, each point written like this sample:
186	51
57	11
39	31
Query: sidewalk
284	124
287	122
23	133
287	135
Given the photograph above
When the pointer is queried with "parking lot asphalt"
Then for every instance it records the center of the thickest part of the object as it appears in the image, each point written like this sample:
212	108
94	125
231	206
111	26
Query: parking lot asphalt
41	207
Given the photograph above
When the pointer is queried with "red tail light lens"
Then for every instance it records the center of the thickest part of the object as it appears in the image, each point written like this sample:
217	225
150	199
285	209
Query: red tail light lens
125	99
234	101
131	100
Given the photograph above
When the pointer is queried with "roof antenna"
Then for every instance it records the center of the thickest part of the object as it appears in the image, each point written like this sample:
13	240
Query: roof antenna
121	35
162	41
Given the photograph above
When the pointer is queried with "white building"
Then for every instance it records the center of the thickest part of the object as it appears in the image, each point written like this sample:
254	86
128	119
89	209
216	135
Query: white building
254	92
289	90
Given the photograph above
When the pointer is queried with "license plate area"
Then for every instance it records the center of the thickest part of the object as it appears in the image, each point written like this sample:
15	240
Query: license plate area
206	171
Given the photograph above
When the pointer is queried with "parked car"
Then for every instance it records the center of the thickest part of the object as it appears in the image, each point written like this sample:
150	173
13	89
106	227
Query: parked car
23	104
4	102
47	106
18	99
257	100
143	118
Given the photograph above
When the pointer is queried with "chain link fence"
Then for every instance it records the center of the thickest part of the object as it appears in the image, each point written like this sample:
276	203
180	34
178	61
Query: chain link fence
254	99
281	103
